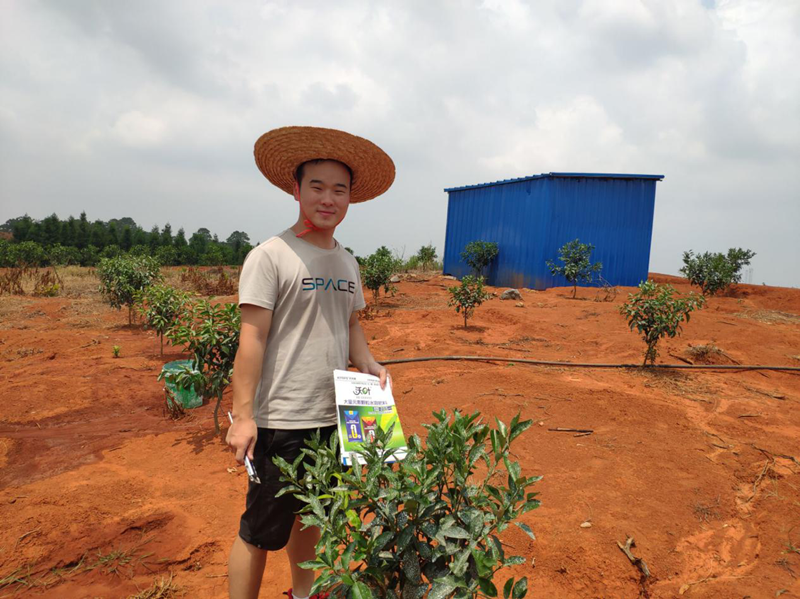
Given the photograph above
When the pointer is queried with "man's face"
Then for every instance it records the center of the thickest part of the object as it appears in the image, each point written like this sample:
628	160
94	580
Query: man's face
324	193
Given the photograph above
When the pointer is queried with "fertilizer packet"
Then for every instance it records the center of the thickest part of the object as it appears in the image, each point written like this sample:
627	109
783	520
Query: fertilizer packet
362	406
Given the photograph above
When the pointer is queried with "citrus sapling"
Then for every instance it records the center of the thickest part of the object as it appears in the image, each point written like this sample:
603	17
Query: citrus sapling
427	525
577	265
655	312
467	296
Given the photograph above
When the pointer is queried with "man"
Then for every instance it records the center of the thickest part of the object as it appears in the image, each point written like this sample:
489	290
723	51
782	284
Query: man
299	293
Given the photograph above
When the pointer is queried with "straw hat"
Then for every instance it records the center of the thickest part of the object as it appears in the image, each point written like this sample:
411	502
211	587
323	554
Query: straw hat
279	152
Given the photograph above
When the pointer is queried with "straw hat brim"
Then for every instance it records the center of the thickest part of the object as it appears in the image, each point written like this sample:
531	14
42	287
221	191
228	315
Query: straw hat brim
279	152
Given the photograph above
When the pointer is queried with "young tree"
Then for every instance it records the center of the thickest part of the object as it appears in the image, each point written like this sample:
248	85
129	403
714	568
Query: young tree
122	277
425	526
656	313
426	256
716	272
377	271
161	306
479	255
467	296
577	265
210	332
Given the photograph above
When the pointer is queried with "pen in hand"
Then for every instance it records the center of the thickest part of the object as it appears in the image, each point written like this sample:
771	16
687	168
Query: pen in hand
251	471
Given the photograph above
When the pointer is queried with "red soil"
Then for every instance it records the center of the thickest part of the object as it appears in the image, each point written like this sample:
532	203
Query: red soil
701	468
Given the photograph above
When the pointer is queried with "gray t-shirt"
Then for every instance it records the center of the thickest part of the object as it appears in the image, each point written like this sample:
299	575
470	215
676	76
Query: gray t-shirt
312	293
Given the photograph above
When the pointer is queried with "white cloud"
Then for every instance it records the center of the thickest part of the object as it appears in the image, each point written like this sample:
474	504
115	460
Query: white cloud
154	103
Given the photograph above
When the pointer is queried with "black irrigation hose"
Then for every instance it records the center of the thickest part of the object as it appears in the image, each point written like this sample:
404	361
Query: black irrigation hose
588	365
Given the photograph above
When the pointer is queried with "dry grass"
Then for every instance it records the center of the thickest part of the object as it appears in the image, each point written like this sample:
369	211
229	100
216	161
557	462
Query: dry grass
771	316
162	588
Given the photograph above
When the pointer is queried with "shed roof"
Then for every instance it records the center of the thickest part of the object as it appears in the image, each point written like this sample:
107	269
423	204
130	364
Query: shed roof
558	175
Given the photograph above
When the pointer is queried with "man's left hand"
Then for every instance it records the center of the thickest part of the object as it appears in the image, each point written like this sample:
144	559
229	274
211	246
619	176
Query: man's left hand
380	371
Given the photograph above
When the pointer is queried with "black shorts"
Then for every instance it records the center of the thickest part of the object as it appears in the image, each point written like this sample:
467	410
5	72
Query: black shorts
267	520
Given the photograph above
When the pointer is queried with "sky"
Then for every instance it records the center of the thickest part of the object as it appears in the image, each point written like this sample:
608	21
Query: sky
150	109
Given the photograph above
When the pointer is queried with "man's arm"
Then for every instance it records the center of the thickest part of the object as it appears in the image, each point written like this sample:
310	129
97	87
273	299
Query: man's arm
243	432
360	355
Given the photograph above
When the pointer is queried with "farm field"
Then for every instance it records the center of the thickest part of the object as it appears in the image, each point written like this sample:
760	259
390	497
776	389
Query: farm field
102	496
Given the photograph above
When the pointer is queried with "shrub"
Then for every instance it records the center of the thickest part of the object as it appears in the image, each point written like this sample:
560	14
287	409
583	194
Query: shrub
122	277
111	251
63	255
411	264
210	332
427	524
161	305
426	256
168	255
90	256
26	253
577	266
715	272
377	271
479	254
467	296
655	313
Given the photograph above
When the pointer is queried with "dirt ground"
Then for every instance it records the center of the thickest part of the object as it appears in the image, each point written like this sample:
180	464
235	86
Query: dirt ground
102	496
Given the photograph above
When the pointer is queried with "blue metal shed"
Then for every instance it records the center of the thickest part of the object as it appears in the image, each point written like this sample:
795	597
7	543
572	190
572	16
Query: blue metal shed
530	218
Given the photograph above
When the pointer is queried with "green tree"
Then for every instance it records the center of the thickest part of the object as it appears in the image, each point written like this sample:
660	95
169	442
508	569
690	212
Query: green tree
427	525
577	264
467	296
121	278
84	232
112	234
377	271
90	256
21	228
139	236
166	235
199	241
180	240
63	256
69	232
154	239
167	255
426	256
28	253
161	307
126	240
655	312
715	272
479	255
98	235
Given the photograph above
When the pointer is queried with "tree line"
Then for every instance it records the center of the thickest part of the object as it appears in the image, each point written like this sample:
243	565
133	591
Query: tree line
83	242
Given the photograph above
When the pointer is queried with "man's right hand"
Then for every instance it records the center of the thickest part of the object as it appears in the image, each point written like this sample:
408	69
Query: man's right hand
241	437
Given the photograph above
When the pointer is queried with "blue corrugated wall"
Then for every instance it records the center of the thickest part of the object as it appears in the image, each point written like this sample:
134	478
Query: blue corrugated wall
532	218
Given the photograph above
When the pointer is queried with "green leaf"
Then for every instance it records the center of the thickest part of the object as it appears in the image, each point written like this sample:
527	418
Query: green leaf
526	529
509	586
487	587
352	518
520	588
514	560
455	532
442	587
360	591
